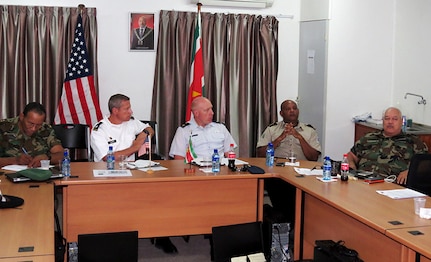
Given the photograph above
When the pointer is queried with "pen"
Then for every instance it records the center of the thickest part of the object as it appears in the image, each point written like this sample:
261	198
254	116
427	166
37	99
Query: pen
25	151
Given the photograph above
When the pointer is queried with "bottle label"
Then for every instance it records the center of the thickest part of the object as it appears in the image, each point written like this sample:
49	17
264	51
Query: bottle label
231	155
344	166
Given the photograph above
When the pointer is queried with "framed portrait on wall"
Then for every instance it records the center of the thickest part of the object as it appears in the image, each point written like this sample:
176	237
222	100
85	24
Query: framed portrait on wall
141	32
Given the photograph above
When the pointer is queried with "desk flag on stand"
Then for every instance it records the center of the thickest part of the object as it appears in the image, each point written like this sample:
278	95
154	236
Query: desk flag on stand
190	153
79	103
197	83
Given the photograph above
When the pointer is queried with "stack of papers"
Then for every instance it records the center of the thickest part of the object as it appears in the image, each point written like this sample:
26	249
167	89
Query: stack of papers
308	171
111	173
400	193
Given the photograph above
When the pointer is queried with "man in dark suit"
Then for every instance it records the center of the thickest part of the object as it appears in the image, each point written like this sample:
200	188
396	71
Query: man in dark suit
143	36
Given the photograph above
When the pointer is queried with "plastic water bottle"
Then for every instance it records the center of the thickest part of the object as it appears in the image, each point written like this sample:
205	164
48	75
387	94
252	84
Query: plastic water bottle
110	159
65	163
345	168
327	168
270	155
215	162
231	157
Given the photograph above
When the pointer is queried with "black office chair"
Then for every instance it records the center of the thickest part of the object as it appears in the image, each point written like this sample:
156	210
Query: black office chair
419	175
236	240
108	247
154	145
75	137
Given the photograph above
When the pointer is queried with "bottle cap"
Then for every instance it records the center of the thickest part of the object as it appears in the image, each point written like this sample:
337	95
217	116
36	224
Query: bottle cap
215	150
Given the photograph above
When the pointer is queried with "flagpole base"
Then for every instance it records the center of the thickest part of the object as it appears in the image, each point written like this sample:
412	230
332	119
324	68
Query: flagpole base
189	170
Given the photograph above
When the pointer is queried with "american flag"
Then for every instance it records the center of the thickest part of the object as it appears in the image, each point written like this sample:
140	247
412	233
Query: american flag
145	148
79	103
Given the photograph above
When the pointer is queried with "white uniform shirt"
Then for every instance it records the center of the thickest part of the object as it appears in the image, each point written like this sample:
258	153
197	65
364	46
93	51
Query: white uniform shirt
204	139
105	134
273	131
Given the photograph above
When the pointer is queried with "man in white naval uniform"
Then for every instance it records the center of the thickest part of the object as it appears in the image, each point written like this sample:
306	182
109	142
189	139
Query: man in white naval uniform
119	130
205	134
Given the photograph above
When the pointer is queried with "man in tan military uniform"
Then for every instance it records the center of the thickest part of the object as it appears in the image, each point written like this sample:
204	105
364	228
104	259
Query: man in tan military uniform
26	139
290	135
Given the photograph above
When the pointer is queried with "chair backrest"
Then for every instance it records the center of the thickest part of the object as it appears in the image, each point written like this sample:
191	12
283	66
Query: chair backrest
419	174
76	137
107	247
236	240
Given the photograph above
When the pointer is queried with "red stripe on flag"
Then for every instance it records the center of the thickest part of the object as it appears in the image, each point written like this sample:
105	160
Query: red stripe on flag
79	103
197	83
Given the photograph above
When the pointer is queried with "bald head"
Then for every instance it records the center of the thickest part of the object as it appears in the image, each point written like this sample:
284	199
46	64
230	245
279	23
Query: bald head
289	111
202	109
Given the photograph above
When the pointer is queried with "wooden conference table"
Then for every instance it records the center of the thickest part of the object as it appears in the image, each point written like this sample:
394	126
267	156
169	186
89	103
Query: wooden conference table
27	231
374	225
163	203
171	202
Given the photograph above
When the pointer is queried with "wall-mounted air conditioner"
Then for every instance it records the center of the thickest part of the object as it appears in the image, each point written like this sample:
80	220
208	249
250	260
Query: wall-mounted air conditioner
236	3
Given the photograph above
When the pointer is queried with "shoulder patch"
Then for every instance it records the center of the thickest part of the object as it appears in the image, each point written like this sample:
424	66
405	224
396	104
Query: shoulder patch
185	124
218	122
310	126
273	124
96	127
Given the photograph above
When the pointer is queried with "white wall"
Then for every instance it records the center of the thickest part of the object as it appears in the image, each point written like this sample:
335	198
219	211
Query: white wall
132	73
359	67
377	51
412	70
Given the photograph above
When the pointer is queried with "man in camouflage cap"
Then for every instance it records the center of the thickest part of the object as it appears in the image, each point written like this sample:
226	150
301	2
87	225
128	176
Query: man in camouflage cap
389	151
26	139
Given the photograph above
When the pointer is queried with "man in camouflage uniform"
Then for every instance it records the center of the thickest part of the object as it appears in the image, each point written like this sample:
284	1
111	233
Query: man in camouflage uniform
290	135
26	139
388	151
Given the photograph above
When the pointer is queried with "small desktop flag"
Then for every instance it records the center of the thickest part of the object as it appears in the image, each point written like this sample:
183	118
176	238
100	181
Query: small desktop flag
190	153
79	103
145	148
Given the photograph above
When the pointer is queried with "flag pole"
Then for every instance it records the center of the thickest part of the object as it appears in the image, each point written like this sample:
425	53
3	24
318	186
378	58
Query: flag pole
81	8
150	171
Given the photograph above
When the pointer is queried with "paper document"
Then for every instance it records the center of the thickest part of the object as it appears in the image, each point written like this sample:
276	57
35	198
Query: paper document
308	171
291	164
326	181
225	161
400	193
112	173
154	168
